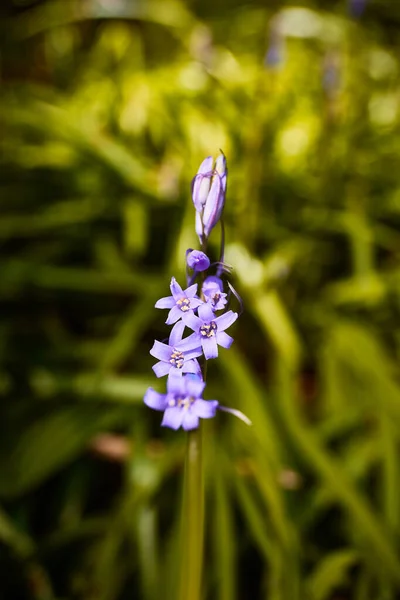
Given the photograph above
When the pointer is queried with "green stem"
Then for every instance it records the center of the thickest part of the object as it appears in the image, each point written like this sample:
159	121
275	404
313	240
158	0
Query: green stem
191	557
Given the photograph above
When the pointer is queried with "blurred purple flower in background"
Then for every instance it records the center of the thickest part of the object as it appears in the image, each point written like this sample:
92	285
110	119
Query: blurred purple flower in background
356	7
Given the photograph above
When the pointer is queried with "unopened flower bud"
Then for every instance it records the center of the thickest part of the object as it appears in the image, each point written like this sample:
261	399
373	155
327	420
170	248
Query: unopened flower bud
202	183
197	260
208	192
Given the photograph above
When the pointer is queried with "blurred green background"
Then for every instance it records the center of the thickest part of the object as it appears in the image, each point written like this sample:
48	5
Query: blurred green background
107	109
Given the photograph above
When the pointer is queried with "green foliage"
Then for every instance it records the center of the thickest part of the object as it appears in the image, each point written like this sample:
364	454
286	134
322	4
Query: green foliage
107	109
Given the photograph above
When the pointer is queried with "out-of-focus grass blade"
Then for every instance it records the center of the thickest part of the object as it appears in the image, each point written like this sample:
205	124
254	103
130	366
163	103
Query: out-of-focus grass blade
256	519
331	573
55	121
372	531
9	534
247	395
17	274
50	443
170	13
132	325
146	531
57	216
92	386
224	536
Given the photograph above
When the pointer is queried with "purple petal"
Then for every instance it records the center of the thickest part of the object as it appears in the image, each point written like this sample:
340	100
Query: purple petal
194	387
189	354
199	226
172	418
161	369
167	302
155	400
176	384
210	347
191	291
195	303
205	313
161	351
220	166
224	340
225	320
212	203
190	343
205	409
176	334
192	321
212	283
174	315
190	420
191	366
206	165
176	289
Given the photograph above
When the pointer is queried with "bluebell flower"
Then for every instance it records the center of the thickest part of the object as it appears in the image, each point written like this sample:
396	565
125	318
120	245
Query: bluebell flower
181	301
179	355
208	193
183	404
212	290
356	7
197	260
209	331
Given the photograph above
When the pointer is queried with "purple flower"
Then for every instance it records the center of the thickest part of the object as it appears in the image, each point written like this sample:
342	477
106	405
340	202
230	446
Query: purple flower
208	193
356	7
183	404
181	301
178	356
212	290
210	330
197	260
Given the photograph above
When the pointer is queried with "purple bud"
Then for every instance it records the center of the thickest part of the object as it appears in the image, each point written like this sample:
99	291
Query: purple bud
208	193
197	260
201	183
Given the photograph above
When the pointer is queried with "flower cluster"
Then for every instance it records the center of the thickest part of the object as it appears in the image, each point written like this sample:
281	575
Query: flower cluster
201	308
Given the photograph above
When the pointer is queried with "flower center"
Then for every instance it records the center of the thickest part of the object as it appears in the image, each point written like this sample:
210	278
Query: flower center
183	303
182	402
215	298
208	329
177	359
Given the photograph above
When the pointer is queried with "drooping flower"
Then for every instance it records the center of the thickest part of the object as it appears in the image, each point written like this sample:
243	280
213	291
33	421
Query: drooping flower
183	404
209	330
197	260
178	356
212	290
181	301
208	193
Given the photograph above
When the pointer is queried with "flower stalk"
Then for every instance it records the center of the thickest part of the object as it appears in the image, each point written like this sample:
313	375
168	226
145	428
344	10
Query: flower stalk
192	539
